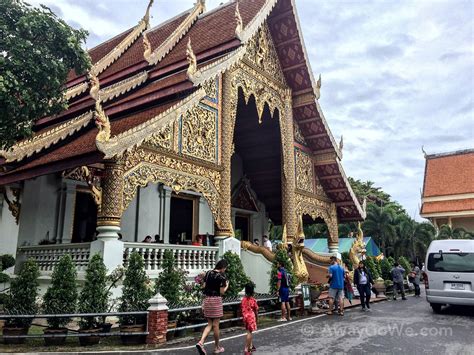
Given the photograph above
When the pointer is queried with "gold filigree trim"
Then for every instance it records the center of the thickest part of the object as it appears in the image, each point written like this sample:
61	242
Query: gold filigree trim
159	53
84	174
123	86
134	137
75	90
119	49
253	26
304	171
44	140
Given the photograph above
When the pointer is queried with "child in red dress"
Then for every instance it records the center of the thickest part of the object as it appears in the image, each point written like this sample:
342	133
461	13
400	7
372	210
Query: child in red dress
249	314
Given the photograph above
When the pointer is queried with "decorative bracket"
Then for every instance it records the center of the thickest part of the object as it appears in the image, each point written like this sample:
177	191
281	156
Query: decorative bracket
14	205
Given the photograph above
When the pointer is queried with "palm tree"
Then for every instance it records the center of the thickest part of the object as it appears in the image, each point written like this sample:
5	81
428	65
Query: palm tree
316	230
379	224
448	232
413	237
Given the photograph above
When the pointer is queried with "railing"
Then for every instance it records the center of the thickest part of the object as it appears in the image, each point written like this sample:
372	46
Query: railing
47	256
189	258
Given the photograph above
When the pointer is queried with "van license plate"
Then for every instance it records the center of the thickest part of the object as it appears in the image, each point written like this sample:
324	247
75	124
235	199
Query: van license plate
457	286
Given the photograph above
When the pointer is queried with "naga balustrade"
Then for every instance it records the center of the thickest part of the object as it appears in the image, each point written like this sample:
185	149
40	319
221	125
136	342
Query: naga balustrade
47	256
193	259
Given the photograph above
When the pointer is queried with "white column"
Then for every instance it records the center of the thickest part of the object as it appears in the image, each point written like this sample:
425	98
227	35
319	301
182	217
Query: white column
165	215
66	223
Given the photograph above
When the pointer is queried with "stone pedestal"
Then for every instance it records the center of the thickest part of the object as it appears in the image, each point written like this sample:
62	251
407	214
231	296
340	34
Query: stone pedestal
226	244
157	320
108	246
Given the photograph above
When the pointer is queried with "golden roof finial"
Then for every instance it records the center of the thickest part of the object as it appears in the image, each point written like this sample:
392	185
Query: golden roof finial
102	122
364	205
146	17
191	58
202	4
147	48
240	25
341	143
318	88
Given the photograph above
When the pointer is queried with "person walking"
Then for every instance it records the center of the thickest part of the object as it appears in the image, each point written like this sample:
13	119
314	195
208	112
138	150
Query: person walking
336	285
215	285
397	276
283	288
416	275
363	281
249	309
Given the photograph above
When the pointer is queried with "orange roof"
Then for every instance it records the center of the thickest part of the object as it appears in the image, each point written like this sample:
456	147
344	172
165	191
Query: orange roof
449	174
448	206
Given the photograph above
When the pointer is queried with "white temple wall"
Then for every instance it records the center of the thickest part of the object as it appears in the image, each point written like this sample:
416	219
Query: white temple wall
206	221
8	231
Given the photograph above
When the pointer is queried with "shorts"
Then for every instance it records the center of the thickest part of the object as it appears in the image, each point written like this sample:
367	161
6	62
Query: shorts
284	294
337	293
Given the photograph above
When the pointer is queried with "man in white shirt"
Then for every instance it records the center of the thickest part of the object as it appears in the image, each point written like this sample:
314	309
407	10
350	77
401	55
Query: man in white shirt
267	243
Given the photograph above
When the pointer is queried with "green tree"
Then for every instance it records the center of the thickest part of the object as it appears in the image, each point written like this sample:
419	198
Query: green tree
37	51
235	274
448	232
171	281
346	260
22	296
6	261
371	265
316	230
386	269
413	237
94	296
61	295
281	256
135	291
379	225
404	263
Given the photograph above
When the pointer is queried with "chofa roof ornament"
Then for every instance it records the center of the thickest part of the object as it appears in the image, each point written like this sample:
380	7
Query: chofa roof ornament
239	28
317	89
192	71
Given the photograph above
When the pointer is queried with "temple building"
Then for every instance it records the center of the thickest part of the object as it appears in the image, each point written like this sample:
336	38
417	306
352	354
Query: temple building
448	190
206	125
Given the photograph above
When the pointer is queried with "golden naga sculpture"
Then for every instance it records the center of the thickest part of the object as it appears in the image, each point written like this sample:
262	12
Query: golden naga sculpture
94	86
146	48
192	60
258	249
299	265
102	122
358	248
317	89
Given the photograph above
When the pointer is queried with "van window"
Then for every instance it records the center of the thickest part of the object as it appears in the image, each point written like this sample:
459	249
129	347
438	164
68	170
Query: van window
451	262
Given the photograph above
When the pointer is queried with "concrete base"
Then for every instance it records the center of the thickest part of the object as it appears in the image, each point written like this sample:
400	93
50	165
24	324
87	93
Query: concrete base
108	245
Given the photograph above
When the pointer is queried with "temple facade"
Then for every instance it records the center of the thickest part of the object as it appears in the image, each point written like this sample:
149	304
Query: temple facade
206	125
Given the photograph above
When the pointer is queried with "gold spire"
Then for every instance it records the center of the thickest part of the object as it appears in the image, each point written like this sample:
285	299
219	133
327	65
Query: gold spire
318	88
146	17
240	25
191	58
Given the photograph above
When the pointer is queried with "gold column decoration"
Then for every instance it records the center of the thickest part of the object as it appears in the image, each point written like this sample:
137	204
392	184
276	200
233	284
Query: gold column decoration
84	174
112	195
333	225
14	204
288	169
229	112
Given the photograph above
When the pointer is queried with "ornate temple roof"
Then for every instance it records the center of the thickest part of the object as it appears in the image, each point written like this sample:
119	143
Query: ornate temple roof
139	75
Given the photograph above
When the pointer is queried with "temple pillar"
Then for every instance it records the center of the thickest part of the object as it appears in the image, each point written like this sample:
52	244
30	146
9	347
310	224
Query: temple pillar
289	215
165	214
333	241
109	217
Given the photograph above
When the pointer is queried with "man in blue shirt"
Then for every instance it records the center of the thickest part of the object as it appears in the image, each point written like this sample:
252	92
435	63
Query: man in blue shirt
336	285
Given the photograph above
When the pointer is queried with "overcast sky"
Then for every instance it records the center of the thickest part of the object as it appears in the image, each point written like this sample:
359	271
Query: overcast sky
396	75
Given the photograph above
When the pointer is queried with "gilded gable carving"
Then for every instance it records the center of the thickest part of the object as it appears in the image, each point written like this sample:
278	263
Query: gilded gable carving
199	133
262	55
304	171
162	139
298	136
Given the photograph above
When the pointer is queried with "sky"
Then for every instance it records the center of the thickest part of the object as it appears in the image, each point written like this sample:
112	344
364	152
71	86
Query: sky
396	75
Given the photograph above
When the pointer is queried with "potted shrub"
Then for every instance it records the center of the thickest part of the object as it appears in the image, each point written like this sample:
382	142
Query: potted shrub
21	300
235	274
135	296
60	298
379	285
112	281
93	299
171	284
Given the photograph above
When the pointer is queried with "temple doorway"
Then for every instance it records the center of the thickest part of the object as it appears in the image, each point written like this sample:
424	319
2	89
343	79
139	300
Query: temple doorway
85	218
242	228
183	219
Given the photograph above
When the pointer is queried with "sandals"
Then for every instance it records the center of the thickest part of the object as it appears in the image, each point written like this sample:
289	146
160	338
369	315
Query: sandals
219	350
329	313
200	349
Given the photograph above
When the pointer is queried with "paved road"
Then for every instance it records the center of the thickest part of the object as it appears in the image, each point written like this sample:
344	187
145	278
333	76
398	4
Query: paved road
408	327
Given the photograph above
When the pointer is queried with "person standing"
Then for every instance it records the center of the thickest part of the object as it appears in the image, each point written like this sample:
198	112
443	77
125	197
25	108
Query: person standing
397	277
336	285
249	309
363	281
416	274
348	291
283	288
215	285
267	243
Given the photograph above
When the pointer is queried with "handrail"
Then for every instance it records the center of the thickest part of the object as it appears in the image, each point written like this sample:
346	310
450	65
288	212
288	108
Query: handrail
56	246
167	246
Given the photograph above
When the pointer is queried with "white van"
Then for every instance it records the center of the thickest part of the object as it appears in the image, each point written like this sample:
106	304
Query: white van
450	273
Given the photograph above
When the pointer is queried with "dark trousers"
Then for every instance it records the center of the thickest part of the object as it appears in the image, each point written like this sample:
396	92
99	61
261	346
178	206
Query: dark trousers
417	289
398	286
364	293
